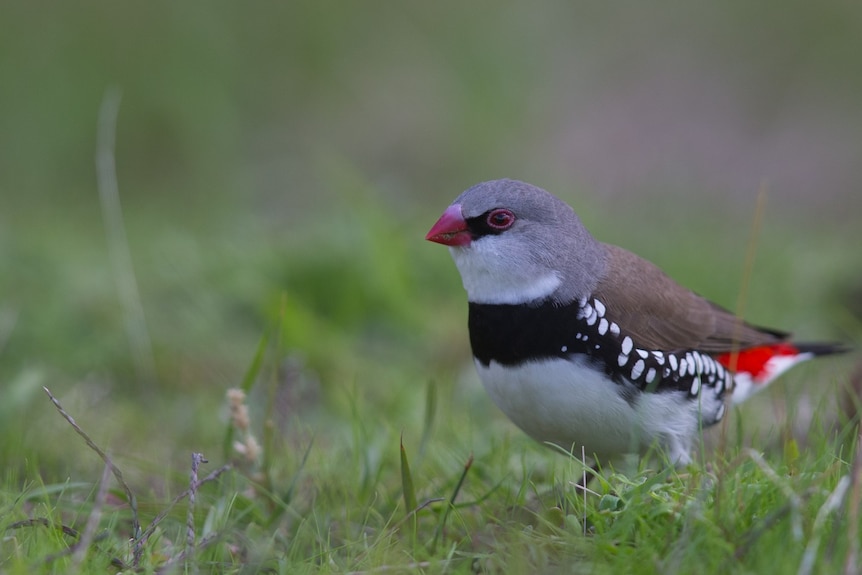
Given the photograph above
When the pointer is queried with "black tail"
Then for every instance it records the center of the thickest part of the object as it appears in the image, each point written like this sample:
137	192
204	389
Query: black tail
818	349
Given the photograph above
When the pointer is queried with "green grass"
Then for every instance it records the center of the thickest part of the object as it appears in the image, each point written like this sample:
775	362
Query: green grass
364	442
379	451
334	501
278	168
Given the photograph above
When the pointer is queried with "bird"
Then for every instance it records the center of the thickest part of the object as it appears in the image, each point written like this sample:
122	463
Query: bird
589	347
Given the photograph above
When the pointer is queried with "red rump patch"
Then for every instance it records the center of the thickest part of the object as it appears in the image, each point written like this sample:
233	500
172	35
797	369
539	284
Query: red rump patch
753	360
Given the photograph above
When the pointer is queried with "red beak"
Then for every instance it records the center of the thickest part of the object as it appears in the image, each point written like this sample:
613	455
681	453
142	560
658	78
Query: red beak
451	229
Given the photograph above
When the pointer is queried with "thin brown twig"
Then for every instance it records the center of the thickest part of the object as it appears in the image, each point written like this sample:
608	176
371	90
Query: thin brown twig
133	502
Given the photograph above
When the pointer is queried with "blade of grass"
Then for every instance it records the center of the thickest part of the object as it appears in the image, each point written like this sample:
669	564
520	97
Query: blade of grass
411	517
833	504
407	488
451	503
430	412
288	494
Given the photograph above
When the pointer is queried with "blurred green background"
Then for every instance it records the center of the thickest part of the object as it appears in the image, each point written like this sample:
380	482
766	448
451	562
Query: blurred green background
287	158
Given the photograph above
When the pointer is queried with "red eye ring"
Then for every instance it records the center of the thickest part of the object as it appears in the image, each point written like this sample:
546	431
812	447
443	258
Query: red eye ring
500	219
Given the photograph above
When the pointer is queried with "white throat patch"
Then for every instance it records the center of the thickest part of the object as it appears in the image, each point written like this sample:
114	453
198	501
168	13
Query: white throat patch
488	279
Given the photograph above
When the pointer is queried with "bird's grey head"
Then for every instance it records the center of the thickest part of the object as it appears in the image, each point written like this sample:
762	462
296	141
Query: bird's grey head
514	243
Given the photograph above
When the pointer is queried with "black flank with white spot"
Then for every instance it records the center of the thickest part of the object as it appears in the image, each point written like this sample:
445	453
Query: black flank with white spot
515	334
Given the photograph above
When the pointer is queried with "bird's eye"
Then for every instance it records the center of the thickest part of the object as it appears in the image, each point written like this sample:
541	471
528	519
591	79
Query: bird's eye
500	219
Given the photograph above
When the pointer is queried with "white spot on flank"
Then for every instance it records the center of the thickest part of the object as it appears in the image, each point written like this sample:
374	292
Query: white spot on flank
695	386
600	307
720	413
603	326
671	359
627	345
615	329
650	375
682	366
585	311
643	353
593	317
578	335
638	369
564	349
698	362
659	357
623	359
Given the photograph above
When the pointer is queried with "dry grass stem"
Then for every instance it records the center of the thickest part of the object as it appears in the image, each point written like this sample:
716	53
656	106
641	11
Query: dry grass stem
197	459
130	497
44	522
164	513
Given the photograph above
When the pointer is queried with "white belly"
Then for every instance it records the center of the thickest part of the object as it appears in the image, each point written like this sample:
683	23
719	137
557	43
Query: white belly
566	403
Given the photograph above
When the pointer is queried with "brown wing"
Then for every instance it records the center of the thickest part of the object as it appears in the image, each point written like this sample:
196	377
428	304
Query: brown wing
659	314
